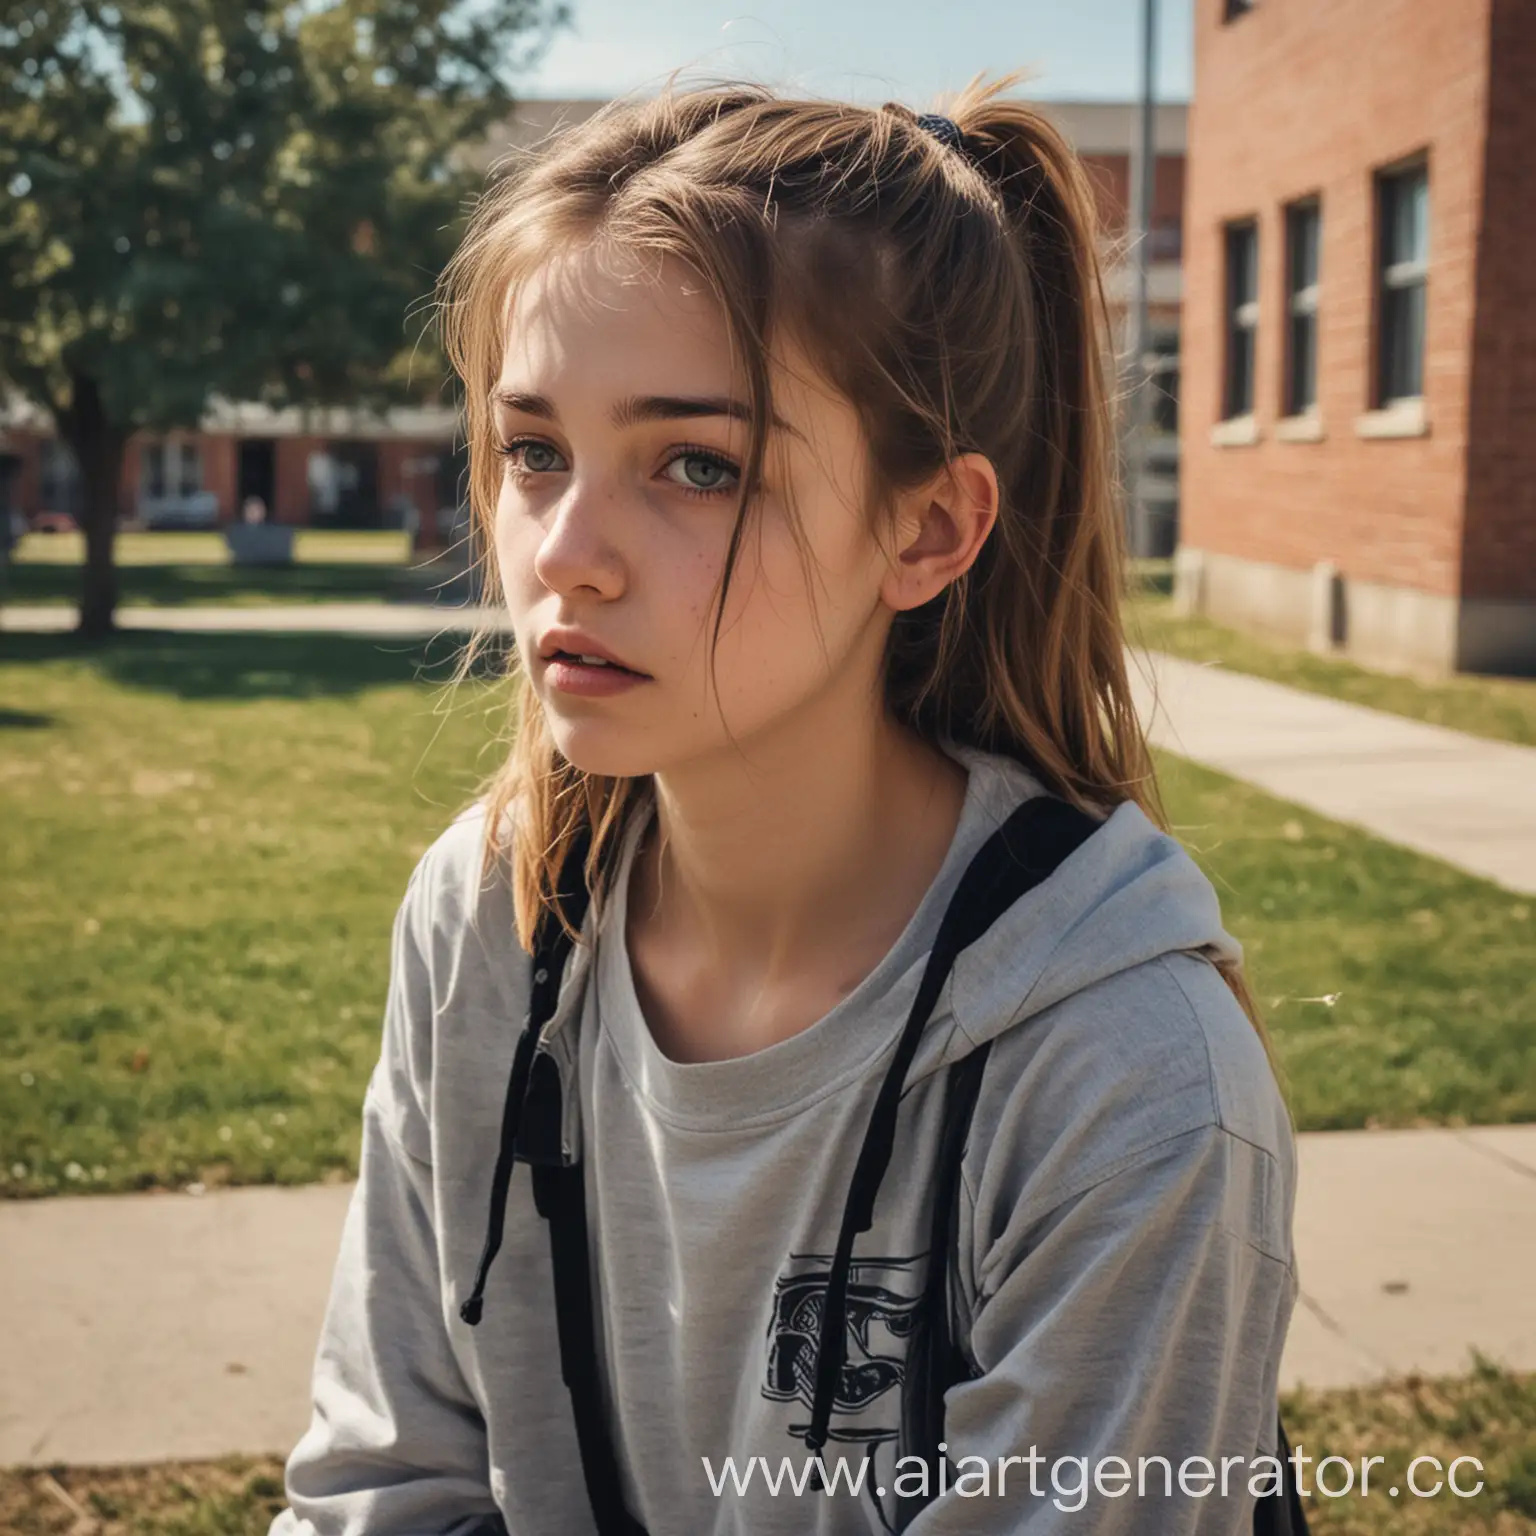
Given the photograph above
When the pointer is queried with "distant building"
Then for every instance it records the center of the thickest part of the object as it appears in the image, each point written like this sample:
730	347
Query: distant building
326	468
1359	466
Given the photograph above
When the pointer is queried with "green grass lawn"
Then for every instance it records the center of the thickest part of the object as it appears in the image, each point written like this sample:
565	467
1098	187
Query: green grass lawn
1398	990
1489	1414
181	569
1502	708
207	836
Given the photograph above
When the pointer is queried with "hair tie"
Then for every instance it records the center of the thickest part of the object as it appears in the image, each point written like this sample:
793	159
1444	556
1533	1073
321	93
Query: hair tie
945	129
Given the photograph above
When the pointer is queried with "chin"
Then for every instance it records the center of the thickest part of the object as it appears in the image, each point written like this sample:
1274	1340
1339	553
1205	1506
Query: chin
597	747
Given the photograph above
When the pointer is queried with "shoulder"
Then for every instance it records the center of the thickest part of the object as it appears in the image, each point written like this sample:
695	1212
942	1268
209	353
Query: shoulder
456	953
1156	1061
456	976
447	880
455	896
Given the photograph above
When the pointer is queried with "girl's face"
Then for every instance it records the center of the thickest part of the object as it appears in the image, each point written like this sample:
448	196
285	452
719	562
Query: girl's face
622	430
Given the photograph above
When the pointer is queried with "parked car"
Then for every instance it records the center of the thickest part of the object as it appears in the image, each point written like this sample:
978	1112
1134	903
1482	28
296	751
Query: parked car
54	522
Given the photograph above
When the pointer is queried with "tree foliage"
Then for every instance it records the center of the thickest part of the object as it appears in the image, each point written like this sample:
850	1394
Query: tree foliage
242	198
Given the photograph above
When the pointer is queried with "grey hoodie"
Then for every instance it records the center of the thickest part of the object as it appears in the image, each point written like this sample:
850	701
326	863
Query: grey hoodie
1124	1271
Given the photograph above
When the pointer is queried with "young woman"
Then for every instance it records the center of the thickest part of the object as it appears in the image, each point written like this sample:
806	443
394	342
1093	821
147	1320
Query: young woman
896	1097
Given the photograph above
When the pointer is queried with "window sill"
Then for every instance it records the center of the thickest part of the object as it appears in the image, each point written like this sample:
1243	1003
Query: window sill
1403	418
1305	428
1235	432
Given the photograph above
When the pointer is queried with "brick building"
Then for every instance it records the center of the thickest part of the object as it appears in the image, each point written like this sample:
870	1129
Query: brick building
1359	348
323	467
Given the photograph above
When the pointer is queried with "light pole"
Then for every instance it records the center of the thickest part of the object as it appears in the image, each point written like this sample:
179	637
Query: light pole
1143	170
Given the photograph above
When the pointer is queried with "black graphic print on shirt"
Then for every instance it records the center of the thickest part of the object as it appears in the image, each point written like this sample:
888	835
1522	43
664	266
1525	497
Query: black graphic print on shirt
884	1298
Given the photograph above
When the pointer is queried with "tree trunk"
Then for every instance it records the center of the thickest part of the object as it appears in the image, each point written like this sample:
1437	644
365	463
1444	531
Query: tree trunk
98	444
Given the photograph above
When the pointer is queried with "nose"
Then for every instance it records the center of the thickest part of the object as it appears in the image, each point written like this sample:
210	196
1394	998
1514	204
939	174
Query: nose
578	551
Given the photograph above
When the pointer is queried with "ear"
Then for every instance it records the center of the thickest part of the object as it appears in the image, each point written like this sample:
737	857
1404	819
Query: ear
940	528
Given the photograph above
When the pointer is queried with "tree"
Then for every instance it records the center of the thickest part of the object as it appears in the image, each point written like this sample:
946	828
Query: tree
241	198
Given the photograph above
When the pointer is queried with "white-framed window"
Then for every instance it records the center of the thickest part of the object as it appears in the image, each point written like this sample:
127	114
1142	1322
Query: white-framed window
170	470
1242	317
1303	272
1402	243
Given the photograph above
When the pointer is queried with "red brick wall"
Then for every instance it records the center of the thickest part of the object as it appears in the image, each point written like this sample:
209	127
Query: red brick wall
1500	556
27	490
403	471
290	477
221	471
1302	97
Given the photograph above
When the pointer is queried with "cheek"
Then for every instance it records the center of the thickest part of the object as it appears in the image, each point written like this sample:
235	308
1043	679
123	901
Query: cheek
516	539
790	617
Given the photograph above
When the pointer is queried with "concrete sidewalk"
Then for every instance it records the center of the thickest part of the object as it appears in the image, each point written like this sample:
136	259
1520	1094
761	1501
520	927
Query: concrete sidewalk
1460	798
148	1327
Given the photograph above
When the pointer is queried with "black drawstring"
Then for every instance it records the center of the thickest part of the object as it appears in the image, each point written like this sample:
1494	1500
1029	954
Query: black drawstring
1037	836
552	944
501	1180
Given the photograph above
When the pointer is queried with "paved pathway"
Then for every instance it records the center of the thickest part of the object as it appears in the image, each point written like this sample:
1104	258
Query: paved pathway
166	1326
1459	798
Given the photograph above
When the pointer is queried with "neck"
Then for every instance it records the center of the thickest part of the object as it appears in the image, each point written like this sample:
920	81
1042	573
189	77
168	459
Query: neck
808	846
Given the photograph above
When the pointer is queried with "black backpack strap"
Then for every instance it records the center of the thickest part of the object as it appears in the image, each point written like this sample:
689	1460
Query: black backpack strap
1038	838
1026	849
530	1132
561	1196
934	1361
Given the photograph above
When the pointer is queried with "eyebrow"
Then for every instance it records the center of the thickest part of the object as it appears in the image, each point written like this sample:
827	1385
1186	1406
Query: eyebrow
635	409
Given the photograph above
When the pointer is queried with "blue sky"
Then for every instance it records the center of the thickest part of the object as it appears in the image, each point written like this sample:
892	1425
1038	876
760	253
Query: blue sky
865	49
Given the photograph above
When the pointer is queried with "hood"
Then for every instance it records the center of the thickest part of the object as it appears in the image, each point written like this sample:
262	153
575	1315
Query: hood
1129	894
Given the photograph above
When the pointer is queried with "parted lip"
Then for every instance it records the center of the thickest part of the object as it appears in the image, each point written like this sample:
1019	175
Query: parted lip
577	642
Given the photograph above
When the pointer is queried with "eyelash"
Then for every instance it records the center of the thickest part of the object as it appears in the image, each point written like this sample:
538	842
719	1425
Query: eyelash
509	451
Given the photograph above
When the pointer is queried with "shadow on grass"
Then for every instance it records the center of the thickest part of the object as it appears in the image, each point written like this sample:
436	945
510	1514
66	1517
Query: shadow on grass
23	720
251	666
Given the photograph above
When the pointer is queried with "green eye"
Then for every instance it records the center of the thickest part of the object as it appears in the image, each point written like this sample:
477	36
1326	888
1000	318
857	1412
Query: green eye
701	472
704	473
526	455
